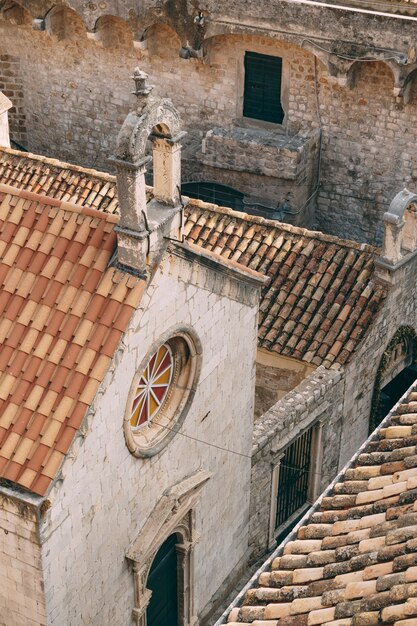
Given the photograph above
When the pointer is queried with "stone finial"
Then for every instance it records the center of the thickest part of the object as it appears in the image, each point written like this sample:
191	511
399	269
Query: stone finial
141	88
144	225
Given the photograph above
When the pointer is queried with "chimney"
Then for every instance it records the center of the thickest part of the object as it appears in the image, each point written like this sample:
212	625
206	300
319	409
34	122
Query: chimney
145	225
5	105
400	235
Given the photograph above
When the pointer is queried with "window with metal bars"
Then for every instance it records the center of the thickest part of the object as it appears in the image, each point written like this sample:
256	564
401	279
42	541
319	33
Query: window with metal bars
262	91
293	481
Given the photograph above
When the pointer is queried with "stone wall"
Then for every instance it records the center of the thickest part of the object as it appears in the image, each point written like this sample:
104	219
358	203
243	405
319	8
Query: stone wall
106	494
75	102
318	398
21	583
281	167
400	309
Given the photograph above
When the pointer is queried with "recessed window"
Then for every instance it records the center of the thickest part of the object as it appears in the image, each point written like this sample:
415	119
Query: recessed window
222	195
262	91
160	394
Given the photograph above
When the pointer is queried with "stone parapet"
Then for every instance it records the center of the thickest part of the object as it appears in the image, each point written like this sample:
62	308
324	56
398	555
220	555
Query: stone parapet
260	151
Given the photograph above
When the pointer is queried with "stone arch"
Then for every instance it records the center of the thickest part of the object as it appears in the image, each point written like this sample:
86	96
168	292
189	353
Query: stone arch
64	23
173	514
162	40
112	31
356	69
160	118
14	13
406	339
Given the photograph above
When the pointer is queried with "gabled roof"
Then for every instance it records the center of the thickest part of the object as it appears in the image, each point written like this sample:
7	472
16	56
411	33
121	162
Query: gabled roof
322	296
354	561
62	314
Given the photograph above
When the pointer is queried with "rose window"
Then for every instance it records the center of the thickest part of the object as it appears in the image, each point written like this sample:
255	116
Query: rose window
160	395
153	388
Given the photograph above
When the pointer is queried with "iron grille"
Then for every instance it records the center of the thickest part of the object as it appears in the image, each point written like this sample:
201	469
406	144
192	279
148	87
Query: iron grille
293	480
262	93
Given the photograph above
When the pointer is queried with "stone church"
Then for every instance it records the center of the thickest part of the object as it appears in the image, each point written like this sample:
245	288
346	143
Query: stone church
115	442
124	304
113	412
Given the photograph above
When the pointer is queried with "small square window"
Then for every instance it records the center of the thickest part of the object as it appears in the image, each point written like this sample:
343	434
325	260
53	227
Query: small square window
262	92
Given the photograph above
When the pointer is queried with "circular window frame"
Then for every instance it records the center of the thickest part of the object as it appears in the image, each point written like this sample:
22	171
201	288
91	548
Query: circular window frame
151	438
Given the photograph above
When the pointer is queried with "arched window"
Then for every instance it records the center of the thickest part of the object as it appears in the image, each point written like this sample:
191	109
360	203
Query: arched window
396	372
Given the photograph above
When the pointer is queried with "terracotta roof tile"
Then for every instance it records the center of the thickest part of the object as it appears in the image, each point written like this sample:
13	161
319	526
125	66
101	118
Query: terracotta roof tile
321	298
54	349
354	560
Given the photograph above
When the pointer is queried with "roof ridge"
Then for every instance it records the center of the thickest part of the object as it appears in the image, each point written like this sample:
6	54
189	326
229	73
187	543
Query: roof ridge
59	204
297	230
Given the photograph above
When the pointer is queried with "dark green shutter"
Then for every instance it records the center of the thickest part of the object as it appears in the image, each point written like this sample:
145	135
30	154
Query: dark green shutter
262	95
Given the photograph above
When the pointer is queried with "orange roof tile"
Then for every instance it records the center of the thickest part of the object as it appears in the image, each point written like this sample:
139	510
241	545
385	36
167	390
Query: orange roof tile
57	334
321	297
353	562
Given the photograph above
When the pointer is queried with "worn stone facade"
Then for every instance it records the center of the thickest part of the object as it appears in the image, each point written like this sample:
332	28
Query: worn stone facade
21	578
400	310
368	134
106	495
319	398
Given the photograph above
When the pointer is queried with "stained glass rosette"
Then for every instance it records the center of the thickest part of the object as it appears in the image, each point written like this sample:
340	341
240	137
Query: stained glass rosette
152	388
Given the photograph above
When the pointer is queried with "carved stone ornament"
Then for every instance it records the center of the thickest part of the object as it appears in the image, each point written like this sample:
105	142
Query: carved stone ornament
154	119
151	113
400	232
173	514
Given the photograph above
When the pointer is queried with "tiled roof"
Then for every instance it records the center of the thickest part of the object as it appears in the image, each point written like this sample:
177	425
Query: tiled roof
321	298
62	313
55	179
354	562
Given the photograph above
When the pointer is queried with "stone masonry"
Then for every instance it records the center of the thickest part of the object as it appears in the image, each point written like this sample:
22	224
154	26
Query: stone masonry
368	132
21	581
400	309
106	494
318	398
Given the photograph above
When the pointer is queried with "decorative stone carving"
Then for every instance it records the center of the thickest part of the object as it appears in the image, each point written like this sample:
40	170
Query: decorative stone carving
143	226
172	515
